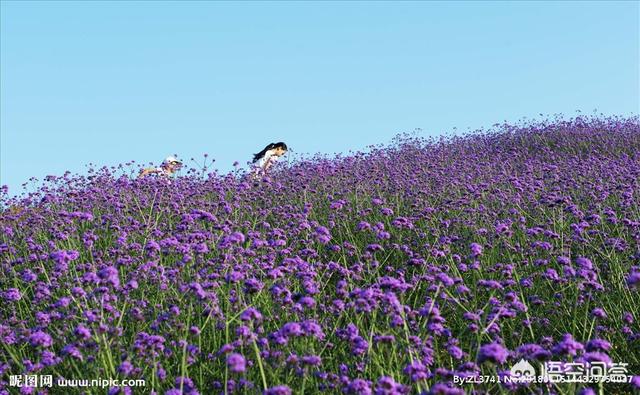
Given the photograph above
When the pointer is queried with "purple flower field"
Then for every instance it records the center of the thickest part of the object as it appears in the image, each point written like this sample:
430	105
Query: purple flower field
387	272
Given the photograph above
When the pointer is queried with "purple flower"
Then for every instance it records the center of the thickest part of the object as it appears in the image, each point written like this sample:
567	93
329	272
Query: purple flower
416	370
596	356
584	263
125	368
28	276
307	301
493	352
251	314
40	339
278	390
476	249
82	332
252	285
533	351
444	389
387	386
374	247
236	363
110	275
634	280
599	313
312	328
492	284
312	360
186	383
231	239
12	295
363	225
445	279
567	346
322	234
236	237
455	351
358	387
152	246
598	345
292	329
72	351
62	259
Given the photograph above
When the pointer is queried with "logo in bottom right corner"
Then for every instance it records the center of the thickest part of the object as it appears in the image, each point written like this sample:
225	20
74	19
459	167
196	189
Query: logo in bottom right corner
522	372
570	372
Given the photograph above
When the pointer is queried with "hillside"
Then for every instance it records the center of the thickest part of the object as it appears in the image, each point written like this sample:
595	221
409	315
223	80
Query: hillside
386	272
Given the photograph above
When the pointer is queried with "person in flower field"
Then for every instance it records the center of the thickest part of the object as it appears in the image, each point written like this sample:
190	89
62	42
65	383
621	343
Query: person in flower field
167	169
263	160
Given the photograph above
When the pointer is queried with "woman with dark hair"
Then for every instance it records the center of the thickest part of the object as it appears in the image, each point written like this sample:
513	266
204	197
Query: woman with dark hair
264	159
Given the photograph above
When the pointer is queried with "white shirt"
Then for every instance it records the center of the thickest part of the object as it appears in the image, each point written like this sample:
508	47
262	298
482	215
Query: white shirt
162	172
268	159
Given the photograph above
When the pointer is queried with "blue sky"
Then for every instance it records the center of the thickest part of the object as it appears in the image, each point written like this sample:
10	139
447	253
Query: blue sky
109	82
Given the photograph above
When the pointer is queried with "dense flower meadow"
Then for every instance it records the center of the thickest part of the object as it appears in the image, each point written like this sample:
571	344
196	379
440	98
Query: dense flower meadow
386	272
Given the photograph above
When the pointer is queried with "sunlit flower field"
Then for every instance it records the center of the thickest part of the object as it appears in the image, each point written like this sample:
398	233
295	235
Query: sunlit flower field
387	272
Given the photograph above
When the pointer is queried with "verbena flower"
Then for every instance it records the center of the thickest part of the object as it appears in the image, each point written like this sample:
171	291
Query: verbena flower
236	363
278	390
567	346
493	352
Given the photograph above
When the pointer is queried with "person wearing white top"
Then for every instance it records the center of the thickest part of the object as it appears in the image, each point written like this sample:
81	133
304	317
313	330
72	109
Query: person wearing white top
168	167
264	159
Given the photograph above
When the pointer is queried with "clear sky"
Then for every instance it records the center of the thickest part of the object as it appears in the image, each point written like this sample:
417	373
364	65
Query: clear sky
109	82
